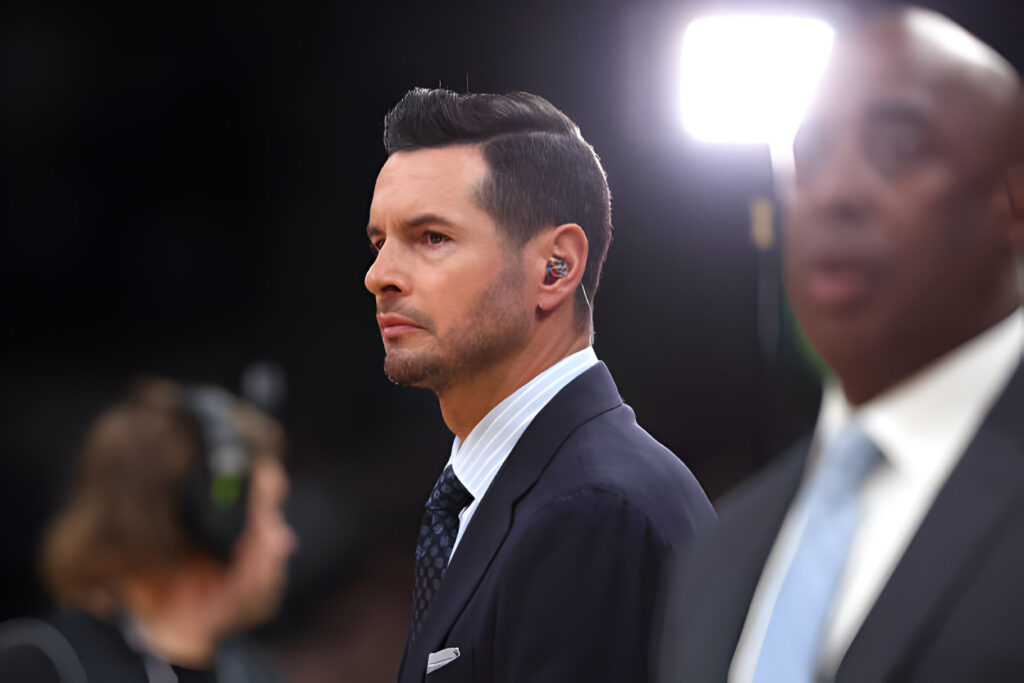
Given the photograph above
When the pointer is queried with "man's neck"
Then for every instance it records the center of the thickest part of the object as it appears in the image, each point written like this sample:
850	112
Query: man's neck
469	400
868	375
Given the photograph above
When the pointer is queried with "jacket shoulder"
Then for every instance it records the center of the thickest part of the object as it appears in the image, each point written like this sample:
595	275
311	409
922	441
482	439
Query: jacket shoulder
612	454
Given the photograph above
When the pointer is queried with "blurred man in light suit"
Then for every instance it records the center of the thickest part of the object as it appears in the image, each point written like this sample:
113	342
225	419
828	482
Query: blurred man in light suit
890	546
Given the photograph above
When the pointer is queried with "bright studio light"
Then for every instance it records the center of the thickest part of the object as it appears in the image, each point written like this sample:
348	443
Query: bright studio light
748	79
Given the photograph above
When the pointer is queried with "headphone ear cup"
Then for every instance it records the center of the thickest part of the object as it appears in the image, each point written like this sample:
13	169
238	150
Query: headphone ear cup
216	492
213	527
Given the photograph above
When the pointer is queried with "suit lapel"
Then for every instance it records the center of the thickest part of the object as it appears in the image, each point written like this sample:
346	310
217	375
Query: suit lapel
732	560
949	548
587	396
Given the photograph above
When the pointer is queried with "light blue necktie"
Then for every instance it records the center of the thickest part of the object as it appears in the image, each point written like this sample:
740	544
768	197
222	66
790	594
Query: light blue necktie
793	639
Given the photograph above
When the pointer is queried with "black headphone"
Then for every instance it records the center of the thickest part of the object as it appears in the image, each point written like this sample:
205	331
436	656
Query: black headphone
216	493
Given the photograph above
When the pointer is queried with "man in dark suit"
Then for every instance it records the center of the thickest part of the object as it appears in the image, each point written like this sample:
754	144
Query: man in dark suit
543	540
890	547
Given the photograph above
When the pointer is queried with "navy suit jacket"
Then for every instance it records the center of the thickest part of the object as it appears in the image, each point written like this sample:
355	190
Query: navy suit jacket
953	609
556	575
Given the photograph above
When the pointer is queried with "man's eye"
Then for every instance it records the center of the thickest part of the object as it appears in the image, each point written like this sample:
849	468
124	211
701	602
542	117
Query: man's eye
376	246
893	146
435	238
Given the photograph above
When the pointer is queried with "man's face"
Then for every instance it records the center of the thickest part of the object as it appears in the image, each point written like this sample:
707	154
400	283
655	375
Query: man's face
450	298
892	242
257	576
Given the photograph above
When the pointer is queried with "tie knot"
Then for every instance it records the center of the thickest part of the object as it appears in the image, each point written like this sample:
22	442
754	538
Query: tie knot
847	459
449	493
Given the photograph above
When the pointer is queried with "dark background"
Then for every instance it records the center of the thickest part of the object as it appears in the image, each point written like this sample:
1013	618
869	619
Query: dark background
185	189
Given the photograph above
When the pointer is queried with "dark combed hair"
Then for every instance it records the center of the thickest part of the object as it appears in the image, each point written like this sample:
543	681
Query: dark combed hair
542	172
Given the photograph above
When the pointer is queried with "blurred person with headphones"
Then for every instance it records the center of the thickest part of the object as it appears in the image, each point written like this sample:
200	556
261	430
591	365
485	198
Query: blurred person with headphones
172	540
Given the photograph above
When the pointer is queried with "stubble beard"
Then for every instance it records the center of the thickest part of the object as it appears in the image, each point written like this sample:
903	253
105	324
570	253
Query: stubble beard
495	326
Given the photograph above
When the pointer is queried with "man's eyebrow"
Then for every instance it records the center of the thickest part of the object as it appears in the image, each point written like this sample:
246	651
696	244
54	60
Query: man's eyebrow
900	110
428	219
414	222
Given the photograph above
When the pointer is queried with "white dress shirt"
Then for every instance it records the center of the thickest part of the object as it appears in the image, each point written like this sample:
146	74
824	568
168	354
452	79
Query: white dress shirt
922	426
476	461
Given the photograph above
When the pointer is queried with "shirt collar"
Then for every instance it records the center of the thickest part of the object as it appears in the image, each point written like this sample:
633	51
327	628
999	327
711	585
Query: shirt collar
929	418
477	459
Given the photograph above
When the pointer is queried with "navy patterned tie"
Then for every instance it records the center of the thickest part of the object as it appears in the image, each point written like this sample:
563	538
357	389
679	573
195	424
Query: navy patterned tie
437	536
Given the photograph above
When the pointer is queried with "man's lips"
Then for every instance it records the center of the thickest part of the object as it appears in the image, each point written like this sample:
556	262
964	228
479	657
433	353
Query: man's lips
393	325
839	282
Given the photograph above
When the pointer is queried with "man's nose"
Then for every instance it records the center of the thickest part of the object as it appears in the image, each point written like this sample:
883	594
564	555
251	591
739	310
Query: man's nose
385	274
839	188
289	539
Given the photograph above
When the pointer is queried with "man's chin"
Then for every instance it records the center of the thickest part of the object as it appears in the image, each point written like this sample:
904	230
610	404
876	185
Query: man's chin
258	610
410	371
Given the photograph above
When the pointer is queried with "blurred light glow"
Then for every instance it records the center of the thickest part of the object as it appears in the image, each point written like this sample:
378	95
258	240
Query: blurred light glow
748	79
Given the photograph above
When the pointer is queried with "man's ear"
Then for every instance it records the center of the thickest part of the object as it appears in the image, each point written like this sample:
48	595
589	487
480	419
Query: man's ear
1015	191
565	244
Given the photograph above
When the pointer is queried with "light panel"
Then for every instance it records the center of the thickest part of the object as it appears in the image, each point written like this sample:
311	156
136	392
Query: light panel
748	78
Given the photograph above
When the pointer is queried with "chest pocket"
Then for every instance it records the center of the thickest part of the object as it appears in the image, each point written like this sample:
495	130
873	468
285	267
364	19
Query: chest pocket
458	670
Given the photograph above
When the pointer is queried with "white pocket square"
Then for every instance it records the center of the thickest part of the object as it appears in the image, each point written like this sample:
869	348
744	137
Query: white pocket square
435	660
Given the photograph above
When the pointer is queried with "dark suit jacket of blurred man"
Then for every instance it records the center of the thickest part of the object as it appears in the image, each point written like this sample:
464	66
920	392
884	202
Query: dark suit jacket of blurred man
564	555
952	609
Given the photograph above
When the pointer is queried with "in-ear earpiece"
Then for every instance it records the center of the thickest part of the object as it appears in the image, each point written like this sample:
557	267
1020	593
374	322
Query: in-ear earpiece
557	268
